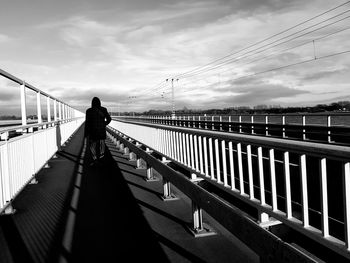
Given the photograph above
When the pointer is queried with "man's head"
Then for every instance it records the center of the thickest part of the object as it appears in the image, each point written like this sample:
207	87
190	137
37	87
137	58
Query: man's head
96	102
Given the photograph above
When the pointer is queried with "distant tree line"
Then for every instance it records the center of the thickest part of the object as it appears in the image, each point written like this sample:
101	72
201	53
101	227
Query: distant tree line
9	117
340	106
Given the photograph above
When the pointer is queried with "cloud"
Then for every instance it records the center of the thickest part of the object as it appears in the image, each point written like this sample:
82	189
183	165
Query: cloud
325	74
83	32
114	50
265	93
4	38
250	94
7	97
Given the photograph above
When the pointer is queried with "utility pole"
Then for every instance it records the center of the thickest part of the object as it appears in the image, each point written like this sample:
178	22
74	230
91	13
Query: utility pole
172	98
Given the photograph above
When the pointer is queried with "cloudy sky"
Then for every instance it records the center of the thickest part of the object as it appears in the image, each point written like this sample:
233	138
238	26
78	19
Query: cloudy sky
219	53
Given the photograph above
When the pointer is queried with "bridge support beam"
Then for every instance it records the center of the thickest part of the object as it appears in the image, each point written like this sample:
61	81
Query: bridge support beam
9	209
198	228
167	195
266	221
121	146
126	151
132	156
140	164
33	181
150	175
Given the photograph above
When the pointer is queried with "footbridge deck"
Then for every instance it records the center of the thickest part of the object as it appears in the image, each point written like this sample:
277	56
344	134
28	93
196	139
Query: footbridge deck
108	213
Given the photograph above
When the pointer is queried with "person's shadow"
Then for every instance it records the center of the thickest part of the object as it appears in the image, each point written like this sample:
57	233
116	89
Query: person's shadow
58	137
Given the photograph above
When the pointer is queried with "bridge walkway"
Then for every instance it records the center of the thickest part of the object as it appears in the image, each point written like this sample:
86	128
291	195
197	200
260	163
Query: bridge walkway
107	213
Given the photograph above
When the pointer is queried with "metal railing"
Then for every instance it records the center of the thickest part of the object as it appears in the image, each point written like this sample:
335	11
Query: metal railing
329	128
23	156
61	110
301	184
25	149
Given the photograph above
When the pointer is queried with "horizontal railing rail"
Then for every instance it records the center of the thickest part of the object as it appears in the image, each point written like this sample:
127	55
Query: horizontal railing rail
298	129
16	130
304	185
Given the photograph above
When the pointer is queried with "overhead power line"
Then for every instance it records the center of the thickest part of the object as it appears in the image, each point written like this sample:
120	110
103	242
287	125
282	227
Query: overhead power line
270	45
264	40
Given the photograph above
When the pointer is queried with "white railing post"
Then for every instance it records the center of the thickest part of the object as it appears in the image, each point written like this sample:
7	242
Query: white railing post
229	125
250	172
305	203
329	126
192	152
286	168
273	179
224	163
64	111
240	168
324	196
206	165
59	110
5	170
232	170
240	125
23	104
346	197
211	159
217	161
304	123
48	109
195	144
55	110
38	107
261	176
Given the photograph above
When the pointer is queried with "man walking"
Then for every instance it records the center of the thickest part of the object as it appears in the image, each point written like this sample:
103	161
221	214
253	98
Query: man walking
96	120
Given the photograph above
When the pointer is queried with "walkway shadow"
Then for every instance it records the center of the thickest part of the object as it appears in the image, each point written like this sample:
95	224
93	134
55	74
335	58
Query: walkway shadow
110	225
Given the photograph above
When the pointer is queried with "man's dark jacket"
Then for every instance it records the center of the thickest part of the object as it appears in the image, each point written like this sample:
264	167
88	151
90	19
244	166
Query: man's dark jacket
96	120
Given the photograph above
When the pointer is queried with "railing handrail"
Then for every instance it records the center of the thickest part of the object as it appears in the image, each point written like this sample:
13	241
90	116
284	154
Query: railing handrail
316	149
34	125
22	82
255	123
300	114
